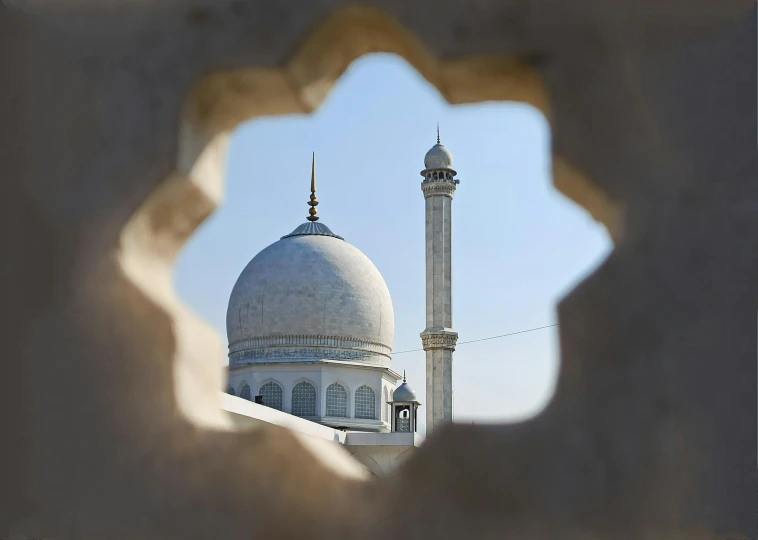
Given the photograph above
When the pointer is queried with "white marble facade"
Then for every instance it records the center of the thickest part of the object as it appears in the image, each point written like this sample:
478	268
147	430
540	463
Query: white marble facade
336	394
310	325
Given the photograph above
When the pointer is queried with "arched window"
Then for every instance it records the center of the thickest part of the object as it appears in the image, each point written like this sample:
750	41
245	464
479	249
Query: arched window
336	401
365	403
272	395
230	390
245	391
385	405
304	399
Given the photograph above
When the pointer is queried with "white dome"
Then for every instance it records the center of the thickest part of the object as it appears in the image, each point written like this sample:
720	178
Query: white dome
311	295
438	157
404	393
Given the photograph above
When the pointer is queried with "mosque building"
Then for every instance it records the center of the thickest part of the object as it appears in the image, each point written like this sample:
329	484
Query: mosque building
310	325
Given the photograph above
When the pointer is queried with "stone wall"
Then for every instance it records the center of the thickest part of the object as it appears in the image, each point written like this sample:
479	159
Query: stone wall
115	120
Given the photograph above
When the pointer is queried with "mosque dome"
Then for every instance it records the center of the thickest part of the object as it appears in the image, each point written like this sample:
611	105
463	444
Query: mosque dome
404	393
438	157
310	295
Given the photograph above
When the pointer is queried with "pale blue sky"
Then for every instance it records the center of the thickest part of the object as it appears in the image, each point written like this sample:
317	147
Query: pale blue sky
518	245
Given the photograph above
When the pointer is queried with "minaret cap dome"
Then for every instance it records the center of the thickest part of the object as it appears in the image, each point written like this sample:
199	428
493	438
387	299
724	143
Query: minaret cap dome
404	393
438	157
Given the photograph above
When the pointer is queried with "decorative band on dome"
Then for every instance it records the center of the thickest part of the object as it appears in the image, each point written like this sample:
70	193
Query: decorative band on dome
298	348
361	346
312	228
292	355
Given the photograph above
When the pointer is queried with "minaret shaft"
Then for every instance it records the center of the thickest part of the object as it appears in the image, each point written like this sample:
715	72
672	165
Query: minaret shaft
439	291
439	338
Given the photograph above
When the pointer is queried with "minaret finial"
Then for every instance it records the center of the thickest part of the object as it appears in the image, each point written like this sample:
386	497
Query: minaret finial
438	133
403	375
313	203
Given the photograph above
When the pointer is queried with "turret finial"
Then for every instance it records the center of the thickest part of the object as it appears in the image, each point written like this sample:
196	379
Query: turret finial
438	133
313	203
403	375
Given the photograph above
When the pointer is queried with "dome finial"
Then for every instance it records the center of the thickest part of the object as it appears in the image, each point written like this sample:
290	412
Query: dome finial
403	375
313	203
438	133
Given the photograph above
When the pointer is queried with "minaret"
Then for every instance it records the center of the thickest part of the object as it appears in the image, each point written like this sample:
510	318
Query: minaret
439	338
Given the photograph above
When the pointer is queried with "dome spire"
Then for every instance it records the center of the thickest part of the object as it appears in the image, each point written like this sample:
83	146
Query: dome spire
438	133
312	227
313	203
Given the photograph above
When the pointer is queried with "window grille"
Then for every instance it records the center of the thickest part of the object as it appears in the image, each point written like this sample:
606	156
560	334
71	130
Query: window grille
336	401
365	403
272	395
304	399
403	420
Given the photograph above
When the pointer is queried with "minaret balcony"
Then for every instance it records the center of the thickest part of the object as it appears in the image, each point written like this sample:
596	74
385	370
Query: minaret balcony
439	338
444	188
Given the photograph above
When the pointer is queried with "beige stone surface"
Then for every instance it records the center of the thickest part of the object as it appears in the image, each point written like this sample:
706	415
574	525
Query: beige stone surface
114	122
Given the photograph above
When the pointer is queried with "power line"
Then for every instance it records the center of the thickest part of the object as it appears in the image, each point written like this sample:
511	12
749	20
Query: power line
488	338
